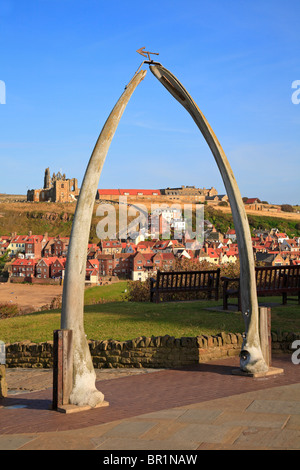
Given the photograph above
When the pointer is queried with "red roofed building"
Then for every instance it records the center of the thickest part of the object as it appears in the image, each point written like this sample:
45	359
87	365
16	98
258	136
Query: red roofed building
33	246
145	246
17	244
23	268
229	256
57	268
145	264
113	194
253	200
123	264
110	247
92	271
106	264
230	234
43	267
56	246
281	237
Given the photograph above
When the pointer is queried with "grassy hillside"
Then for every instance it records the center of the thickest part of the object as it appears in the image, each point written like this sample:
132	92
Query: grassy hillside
56	218
223	220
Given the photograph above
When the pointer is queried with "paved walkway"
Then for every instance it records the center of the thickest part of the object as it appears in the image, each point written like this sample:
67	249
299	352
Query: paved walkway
201	407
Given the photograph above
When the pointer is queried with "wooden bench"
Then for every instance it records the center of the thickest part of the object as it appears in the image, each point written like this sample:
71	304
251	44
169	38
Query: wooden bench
185	281
270	281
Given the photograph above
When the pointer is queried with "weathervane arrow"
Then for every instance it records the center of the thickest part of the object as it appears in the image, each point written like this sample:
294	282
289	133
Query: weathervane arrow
146	53
149	61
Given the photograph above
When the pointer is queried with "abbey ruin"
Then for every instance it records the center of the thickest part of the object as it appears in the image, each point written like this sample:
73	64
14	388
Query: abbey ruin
56	189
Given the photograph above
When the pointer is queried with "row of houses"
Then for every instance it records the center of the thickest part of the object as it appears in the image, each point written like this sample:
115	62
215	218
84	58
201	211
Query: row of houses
136	266
44	268
34	246
45	257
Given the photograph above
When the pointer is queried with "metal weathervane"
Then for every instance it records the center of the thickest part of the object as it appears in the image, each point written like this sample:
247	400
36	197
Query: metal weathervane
150	61
146	53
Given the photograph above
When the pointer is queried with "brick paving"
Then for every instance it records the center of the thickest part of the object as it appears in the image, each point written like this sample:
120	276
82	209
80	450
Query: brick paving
139	394
32	379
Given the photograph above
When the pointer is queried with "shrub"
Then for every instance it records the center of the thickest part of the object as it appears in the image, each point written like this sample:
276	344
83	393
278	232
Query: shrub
56	303
138	291
8	310
287	208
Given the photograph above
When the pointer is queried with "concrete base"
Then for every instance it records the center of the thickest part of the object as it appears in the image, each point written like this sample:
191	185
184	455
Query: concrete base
271	372
68	409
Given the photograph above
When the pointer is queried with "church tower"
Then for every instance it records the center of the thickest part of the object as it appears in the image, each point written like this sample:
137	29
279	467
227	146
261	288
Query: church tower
47	179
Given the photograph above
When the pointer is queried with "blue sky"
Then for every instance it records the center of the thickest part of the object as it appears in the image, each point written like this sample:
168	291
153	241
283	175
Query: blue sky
65	63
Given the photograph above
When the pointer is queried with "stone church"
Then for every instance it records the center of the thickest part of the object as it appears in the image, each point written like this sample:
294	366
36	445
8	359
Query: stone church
56	189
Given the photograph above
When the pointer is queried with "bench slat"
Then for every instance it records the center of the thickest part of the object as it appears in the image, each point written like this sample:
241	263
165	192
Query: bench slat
274	280
185	281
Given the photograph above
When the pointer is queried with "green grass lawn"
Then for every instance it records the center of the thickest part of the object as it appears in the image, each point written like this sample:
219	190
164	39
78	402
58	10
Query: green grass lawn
112	292
121	320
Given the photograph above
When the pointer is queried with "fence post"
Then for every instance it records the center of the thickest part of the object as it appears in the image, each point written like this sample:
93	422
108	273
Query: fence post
265	334
62	367
3	384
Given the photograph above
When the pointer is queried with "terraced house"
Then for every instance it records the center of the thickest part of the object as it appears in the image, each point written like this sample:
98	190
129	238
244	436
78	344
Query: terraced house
23	268
147	264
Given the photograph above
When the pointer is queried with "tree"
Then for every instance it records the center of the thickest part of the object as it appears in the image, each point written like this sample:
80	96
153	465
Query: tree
3	261
287	208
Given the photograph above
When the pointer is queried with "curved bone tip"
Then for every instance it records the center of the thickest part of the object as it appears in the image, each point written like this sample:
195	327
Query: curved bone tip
142	74
156	70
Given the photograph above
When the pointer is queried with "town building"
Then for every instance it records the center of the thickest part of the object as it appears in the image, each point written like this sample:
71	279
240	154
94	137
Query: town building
23	268
180	194
57	188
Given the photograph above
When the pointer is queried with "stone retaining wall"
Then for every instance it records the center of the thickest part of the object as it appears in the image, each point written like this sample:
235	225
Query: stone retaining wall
34	280
157	352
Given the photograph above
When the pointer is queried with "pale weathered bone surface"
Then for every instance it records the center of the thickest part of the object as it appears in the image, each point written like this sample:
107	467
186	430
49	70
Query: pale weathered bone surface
84	391
252	360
